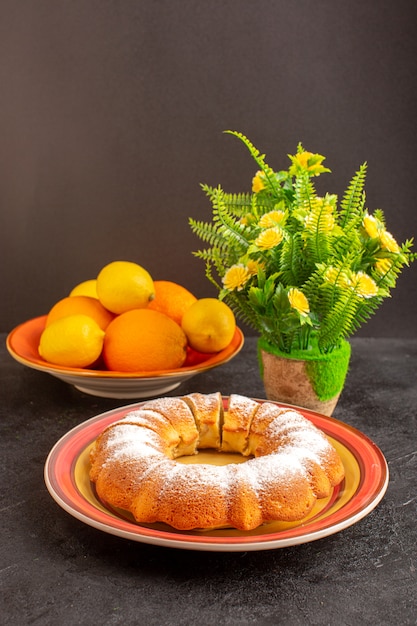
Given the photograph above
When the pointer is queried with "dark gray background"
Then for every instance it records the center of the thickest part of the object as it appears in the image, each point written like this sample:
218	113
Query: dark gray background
112	112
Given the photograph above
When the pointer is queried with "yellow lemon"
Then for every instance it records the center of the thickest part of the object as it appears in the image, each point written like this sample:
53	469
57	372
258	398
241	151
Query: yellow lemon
209	325
72	341
123	286
86	288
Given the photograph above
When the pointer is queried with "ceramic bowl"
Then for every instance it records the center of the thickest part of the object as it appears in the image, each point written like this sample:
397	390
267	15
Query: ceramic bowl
22	343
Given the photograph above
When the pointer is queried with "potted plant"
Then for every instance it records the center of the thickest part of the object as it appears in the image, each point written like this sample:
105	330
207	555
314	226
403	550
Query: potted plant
303	270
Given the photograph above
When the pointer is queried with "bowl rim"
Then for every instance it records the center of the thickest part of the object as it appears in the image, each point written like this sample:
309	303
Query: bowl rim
22	344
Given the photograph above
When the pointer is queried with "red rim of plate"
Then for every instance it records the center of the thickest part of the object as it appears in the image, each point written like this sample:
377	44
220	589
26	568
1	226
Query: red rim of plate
372	484
22	343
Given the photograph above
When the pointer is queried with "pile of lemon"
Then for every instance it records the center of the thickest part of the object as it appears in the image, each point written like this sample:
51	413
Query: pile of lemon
125	321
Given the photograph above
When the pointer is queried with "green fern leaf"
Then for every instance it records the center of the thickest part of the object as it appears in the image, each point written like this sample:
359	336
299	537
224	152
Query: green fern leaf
292	265
338	322
317	236
242	310
259	160
305	192
227	225
238	204
353	201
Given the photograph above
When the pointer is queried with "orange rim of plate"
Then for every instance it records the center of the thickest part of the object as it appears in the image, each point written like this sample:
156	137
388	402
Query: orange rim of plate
365	483
23	341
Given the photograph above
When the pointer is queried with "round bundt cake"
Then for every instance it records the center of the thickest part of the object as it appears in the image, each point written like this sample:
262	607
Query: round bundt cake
291	464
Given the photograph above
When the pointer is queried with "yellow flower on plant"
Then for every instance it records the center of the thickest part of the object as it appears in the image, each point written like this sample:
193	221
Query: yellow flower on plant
371	226
257	183
269	238
271	219
253	266
303	158
388	242
307	162
298	301
364	285
236	277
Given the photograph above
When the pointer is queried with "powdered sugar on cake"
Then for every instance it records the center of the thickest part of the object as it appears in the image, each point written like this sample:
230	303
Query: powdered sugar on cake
292	463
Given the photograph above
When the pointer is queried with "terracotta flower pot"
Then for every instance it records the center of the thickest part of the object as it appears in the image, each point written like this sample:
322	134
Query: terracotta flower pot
312	381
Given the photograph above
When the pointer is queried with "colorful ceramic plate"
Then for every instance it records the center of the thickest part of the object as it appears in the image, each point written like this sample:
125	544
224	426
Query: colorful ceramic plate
67	479
23	341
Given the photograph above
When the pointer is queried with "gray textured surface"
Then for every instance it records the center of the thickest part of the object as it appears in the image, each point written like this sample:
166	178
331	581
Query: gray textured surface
54	569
